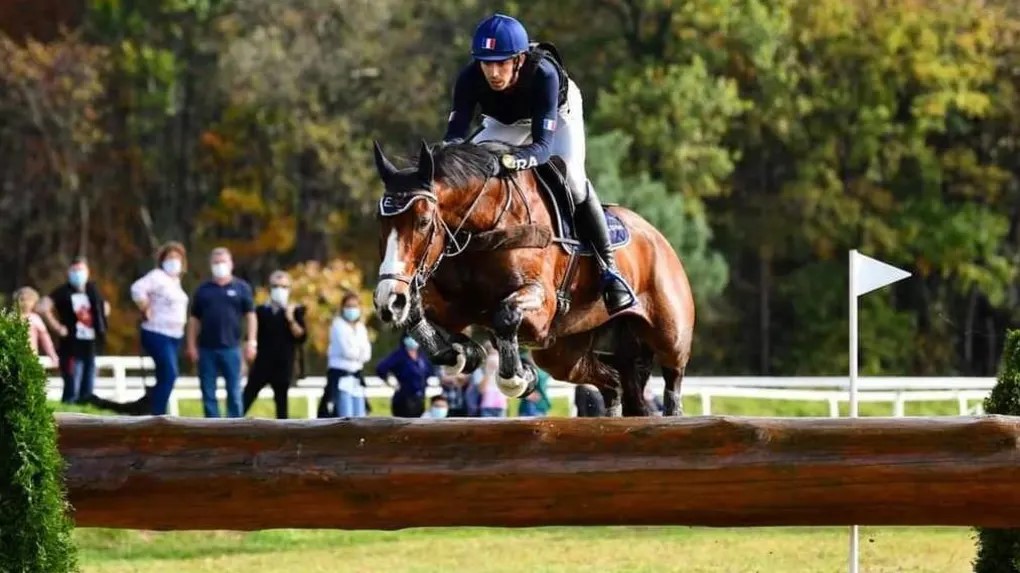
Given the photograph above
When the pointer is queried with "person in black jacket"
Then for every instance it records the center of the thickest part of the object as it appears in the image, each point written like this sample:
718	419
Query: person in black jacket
77	313
281	332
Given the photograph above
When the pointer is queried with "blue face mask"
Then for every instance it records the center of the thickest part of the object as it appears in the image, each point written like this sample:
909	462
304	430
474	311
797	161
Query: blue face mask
410	343
77	278
351	313
437	412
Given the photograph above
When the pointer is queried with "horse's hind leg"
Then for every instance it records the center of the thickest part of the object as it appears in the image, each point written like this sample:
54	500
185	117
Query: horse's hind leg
633	366
672	350
671	400
572	359
610	385
634	375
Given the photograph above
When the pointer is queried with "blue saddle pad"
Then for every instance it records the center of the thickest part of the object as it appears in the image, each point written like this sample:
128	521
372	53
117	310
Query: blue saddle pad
619	234
551	175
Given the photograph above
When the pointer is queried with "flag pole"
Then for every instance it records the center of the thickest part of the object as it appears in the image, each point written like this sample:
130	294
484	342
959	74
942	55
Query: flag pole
866	275
853	384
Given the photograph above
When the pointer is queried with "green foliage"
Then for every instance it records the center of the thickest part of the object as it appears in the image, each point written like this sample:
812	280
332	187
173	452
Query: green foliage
818	346
999	549
678	115
1005	396
35	529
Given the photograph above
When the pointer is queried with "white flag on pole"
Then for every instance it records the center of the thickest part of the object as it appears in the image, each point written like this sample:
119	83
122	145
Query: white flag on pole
873	274
866	274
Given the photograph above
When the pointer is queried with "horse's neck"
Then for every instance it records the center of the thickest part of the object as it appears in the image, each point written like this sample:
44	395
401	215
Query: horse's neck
502	203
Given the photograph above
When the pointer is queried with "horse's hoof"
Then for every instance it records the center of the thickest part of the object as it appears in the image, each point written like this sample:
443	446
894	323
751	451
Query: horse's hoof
461	359
512	387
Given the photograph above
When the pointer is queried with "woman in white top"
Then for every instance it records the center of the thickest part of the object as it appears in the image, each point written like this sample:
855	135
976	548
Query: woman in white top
164	305
349	350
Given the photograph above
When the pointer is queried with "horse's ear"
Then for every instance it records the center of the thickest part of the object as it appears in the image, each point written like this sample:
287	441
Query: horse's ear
426	164
383	165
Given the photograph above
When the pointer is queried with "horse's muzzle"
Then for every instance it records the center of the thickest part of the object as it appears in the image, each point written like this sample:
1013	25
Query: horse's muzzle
391	306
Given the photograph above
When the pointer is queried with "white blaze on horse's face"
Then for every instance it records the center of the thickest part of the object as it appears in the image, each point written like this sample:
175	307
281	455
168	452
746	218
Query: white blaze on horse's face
392	262
388	291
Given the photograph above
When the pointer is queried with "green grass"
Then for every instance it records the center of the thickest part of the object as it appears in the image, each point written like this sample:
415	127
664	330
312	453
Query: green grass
540	550
550	550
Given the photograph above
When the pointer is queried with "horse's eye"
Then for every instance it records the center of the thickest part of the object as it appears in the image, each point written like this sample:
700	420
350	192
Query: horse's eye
423	223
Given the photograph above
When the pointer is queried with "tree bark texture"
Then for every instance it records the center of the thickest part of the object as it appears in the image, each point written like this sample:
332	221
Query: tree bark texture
176	473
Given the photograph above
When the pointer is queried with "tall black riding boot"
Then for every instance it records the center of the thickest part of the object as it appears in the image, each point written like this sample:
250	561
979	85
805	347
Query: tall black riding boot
591	220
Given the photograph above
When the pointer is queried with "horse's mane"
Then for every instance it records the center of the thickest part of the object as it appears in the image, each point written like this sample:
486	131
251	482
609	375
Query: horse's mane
457	164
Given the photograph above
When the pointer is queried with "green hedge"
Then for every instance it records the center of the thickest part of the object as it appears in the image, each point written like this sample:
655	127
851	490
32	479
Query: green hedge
999	549
35	526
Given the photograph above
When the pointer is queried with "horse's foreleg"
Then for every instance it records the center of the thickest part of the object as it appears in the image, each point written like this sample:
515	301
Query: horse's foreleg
444	348
515	379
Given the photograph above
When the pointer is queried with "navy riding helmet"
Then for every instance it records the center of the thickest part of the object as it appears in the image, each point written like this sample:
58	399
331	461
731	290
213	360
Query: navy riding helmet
499	38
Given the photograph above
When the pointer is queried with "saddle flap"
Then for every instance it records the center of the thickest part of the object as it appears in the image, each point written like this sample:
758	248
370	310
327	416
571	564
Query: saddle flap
553	174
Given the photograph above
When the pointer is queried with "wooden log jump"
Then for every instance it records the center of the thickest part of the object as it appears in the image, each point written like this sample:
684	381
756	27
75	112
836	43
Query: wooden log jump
178	473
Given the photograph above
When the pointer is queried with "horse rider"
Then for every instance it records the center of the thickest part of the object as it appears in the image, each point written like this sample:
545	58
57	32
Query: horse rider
527	100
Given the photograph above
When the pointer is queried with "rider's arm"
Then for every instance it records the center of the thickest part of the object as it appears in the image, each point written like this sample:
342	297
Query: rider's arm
546	88
464	100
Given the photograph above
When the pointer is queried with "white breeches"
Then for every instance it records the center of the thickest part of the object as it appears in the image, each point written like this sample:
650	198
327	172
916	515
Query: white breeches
568	139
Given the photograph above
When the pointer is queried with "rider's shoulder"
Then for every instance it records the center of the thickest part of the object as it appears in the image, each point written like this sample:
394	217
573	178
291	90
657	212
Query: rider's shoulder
546	70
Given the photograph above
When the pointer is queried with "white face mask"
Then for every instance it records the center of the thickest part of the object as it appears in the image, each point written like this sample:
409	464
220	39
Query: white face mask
221	270
172	266
279	295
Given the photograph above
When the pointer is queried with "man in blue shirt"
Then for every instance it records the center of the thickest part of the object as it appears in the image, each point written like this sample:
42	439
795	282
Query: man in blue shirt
527	100
214	333
412	370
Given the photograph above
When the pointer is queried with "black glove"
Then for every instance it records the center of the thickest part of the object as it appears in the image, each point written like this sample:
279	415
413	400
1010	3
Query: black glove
496	168
505	165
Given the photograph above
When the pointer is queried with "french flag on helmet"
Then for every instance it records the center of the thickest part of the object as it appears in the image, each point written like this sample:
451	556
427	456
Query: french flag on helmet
499	37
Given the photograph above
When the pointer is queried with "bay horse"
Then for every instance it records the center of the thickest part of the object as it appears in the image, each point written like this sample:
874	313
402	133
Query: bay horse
460	248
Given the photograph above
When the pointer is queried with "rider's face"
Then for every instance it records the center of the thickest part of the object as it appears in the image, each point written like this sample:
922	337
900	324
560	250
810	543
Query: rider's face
500	75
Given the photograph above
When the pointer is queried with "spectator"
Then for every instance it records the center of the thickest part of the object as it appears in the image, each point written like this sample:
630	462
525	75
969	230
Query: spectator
281	332
652	402
80	323
473	394
214	333
349	350
438	407
494	402
164	307
453	389
412	370
536	404
38	337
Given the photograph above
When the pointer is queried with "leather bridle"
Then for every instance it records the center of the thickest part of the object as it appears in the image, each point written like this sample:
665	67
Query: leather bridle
453	246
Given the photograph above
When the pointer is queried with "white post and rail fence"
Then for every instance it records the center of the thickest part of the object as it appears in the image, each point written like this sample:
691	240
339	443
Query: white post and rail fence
123	378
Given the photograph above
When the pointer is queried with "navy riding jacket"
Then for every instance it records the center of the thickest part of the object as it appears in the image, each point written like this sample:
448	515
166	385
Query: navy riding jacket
534	96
